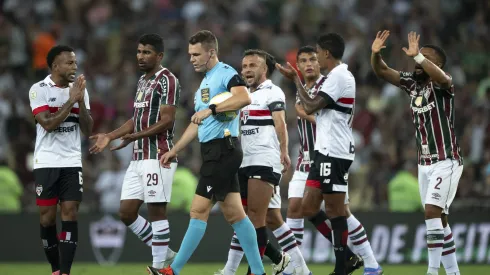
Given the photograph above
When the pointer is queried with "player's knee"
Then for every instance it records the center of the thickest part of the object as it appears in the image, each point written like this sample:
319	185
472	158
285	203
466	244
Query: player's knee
295	211
332	210
48	219
127	217
257	216
69	211
432	212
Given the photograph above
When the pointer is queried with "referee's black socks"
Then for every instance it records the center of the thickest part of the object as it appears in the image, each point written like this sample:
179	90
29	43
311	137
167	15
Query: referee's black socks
50	245
68	245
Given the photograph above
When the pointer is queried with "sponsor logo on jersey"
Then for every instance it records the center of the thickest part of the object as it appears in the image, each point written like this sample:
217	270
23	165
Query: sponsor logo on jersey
205	95
68	129
250	131
143	104
424	109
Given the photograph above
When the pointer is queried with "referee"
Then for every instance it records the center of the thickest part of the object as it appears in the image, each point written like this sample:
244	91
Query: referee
221	153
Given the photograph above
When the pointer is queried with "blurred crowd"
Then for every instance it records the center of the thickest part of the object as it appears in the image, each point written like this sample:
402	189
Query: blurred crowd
104	34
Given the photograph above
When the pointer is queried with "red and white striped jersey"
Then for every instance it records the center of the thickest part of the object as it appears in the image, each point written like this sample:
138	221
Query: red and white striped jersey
259	140
61	147
307	132
334	122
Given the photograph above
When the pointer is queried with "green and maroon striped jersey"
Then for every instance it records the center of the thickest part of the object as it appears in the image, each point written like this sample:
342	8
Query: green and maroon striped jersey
432	110
162	88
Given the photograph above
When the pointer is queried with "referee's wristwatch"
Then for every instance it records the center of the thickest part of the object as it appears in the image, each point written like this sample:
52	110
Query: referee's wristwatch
213	108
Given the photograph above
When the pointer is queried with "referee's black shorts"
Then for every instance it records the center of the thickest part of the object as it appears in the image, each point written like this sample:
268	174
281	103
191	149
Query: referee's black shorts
219	169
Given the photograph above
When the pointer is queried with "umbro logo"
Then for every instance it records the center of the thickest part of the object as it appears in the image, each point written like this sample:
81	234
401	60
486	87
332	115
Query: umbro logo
209	188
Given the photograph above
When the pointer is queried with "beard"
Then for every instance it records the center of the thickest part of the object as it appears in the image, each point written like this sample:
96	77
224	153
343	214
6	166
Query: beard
422	77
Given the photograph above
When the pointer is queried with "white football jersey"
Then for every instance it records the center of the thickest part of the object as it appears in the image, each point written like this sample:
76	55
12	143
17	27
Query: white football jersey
259	140
61	147
334	122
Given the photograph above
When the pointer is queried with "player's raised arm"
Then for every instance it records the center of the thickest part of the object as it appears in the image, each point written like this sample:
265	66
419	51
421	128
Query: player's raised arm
379	66
41	111
433	70
310	105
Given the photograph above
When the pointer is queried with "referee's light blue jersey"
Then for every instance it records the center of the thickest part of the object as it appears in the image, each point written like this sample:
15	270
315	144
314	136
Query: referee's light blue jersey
219	79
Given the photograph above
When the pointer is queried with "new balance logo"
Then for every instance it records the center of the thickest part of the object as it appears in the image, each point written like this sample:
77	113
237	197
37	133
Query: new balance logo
209	188
53	99
327	181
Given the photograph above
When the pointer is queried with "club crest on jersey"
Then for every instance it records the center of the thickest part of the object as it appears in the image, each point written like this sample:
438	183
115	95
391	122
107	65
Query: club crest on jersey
139	97
244	116
205	95
426	92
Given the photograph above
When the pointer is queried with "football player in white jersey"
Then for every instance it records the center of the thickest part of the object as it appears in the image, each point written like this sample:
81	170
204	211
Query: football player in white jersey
265	148
61	107
334	149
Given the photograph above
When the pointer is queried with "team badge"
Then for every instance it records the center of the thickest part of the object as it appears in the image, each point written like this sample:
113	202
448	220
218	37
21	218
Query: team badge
39	190
245	115
139	97
205	95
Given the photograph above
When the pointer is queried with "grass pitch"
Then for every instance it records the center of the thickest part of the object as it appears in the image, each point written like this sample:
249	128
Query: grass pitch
207	269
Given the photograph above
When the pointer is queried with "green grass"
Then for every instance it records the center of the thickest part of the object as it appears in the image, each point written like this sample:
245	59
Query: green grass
207	269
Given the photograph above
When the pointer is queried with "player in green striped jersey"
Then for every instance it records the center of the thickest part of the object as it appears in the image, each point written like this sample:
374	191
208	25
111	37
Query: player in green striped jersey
151	129
431	95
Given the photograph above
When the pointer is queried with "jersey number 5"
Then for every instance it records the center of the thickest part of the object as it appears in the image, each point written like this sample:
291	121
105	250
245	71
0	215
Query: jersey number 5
325	169
152	179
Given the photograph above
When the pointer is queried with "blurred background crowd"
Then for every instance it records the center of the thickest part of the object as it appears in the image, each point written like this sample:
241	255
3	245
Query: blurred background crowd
104	34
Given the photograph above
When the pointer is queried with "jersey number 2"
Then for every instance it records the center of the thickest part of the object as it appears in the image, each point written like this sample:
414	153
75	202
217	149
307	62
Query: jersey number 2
152	179
439	180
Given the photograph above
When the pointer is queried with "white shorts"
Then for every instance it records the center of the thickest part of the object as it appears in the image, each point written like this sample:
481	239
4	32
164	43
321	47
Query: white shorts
276	198
438	183
298	183
146	180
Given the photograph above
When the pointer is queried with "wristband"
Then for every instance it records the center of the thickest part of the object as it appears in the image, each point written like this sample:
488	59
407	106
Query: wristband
419	58
213	108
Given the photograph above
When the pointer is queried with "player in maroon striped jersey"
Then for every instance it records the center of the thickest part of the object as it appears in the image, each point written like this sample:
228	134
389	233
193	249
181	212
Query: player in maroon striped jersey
152	130
440	162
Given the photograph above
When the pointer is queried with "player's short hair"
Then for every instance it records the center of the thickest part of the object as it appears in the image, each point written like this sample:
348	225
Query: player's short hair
332	42
55	51
440	52
154	40
305	49
270	61
206	38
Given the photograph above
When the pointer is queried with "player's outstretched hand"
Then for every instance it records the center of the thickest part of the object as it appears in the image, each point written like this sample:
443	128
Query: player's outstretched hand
121	145
288	71
101	142
198	117
167	158
286	162
379	42
413	44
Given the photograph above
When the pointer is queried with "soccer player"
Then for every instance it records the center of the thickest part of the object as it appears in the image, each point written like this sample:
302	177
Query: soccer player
308	65
265	148
152	130
334	144
440	161
221	153
60	105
